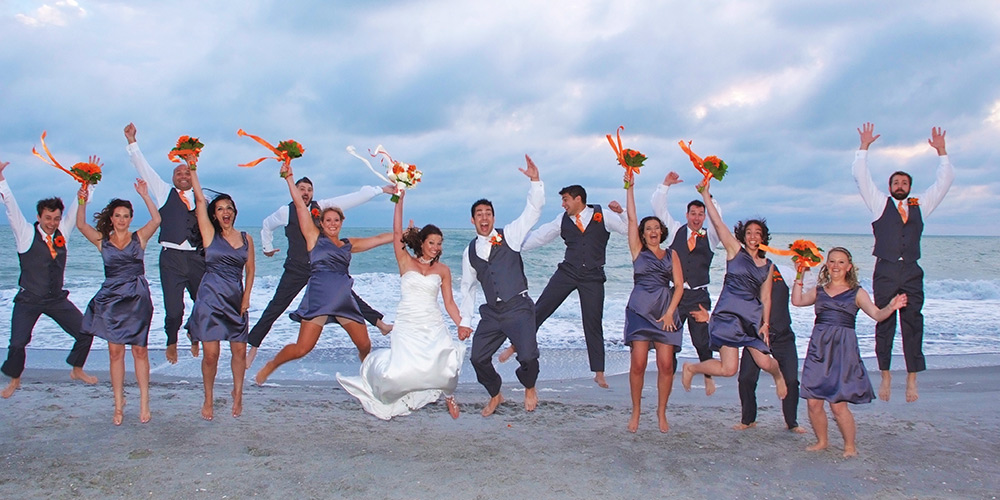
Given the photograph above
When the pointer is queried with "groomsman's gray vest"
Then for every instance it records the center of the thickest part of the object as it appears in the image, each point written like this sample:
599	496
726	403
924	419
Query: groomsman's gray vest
297	258
502	277
178	223
895	240
695	263
40	273
585	250
780	319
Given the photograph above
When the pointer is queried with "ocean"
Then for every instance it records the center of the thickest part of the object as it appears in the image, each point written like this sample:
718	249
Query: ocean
961	309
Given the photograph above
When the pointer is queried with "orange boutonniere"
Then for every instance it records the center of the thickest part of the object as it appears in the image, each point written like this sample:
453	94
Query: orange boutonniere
496	240
59	241
913	202
777	277
598	217
314	212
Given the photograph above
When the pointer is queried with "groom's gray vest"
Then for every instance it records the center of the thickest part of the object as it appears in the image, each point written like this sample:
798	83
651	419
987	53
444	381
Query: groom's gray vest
894	239
502	276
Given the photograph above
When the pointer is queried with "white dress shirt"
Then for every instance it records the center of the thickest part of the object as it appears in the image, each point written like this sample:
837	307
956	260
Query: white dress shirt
22	228
514	234
659	202
158	188
345	202
547	232
875	199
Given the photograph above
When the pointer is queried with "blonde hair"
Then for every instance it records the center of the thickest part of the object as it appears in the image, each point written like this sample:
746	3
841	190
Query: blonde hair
851	277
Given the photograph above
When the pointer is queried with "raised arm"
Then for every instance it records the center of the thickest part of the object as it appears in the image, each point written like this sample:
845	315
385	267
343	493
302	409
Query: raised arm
634	242
517	231
931	198
250	268
864	302
370	242
309	230
871	195
659	202
725	236
146	232
201	207
800	296
93	235
403	259
157	186
23	231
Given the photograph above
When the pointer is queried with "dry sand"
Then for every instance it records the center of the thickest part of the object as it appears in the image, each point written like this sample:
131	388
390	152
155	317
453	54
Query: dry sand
313	441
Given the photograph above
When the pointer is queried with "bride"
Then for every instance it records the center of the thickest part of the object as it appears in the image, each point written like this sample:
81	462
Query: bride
423	359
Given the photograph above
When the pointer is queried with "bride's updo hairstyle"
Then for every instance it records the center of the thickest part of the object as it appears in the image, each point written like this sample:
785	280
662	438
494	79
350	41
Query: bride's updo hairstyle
414	238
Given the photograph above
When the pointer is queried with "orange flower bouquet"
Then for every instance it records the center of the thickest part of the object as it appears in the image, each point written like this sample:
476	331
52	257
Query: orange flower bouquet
710	167
630	159
284	153
186	146
86	173
804	254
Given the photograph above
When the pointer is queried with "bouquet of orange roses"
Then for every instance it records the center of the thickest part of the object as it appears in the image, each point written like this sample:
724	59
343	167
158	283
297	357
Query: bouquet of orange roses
285	152
186	146
630	159
710	167
804	254
86	173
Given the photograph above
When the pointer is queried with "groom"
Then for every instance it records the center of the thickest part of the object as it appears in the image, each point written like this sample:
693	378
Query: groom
494	258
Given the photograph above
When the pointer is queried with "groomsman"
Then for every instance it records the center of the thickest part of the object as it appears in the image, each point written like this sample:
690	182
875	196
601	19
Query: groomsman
182	258
784	352
898	223
494	259
41	251
585	231
693	243
297	268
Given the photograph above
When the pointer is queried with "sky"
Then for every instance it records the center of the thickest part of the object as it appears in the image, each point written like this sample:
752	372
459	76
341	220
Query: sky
464	89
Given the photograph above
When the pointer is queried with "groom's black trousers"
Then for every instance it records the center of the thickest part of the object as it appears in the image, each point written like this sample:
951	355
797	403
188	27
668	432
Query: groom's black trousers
514	320
590	287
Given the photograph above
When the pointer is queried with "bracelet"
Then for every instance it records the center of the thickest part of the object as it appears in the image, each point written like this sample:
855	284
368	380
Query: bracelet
796	282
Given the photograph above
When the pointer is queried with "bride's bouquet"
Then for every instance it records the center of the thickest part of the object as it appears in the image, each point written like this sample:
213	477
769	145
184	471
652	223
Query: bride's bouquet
402	175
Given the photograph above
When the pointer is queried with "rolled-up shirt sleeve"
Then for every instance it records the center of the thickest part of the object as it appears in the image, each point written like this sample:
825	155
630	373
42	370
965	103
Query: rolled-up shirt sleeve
271	223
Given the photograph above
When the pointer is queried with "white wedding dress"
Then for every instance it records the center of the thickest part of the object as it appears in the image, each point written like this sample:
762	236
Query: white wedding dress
422	362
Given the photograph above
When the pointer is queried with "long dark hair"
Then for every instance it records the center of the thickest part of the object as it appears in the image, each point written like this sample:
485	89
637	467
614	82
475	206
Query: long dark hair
102	219
211	210
415	239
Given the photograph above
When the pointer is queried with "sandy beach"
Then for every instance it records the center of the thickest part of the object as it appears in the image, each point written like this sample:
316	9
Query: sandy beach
310	440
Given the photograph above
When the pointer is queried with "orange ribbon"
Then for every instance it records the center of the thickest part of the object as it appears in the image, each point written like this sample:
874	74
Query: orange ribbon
620	155
699	165
281	156
52	160
797	251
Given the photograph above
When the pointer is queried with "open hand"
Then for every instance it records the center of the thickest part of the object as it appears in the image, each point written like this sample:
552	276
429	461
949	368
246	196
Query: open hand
937	140
531	170
868	136
141	187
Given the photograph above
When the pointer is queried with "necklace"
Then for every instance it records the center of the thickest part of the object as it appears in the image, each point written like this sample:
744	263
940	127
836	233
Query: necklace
426	262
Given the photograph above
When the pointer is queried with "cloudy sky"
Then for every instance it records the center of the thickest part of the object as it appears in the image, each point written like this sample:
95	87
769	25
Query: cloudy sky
464	89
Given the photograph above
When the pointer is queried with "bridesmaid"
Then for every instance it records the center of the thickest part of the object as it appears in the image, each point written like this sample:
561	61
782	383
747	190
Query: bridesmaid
833	370
328	296
740	317
651	317
220	311
122	309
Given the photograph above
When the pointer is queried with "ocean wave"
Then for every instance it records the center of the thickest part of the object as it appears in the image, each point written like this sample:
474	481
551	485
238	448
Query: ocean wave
962	289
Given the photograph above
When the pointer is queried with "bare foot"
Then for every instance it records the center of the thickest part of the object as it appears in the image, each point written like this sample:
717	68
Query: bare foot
601	381
194	349
119	415
171	354
664	425
633	422
530	399
145	415
780	387
383	327
237	404
818	446
850	451
742	427
709	386
250	356
207	412
885	388
11	387
798	429
686	376
506	354
263	373
452	407
77	373
492	404
911	387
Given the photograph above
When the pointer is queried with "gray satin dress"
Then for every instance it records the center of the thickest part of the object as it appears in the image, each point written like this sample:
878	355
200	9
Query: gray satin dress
122	310
216	314
736	319
650	297
833	370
